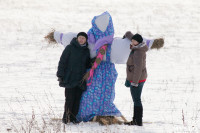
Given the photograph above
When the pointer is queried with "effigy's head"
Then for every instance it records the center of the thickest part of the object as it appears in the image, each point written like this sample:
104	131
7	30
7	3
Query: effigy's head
102	30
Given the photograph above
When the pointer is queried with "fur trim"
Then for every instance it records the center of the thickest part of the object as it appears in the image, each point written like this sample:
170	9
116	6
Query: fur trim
139	45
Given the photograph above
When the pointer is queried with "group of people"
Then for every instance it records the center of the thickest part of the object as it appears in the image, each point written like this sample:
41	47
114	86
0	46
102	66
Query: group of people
87	71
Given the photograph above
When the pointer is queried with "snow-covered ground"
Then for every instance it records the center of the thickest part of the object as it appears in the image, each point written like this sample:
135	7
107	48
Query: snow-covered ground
28	86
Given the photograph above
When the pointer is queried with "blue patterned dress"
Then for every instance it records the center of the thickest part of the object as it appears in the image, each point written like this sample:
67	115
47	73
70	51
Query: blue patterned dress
98	99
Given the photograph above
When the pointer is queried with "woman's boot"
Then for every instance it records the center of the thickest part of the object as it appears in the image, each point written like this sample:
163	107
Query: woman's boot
133	121
137	117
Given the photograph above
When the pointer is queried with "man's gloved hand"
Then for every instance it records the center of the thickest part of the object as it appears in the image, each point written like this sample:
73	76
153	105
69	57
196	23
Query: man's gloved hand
60	79
83	85
93	60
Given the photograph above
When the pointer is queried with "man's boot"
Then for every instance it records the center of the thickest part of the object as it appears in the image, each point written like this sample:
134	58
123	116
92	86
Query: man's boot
66	118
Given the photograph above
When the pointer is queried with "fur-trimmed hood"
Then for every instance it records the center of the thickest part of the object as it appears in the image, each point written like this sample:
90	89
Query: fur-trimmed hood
141	46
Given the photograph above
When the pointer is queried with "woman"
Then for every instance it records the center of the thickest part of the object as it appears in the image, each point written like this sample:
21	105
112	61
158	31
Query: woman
136	76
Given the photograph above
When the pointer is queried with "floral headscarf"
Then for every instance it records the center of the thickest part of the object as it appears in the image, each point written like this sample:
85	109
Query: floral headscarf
98	37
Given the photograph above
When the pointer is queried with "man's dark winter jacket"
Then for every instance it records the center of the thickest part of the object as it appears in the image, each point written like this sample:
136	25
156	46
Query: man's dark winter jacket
74	62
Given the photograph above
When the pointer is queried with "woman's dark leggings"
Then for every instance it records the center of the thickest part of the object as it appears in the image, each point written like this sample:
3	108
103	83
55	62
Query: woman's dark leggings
136	94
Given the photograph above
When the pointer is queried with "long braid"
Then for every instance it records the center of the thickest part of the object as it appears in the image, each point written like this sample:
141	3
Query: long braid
89	75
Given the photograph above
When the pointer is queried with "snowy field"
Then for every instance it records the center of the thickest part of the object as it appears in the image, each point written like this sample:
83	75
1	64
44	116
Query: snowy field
30	98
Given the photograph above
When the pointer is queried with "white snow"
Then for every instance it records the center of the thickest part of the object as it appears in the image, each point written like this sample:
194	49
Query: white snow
29	87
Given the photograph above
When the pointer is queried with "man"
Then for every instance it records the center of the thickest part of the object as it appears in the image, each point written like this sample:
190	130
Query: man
73	64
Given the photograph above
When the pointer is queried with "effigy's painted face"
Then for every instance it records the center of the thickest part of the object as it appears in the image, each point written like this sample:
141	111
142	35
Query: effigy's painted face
81	40
102	22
